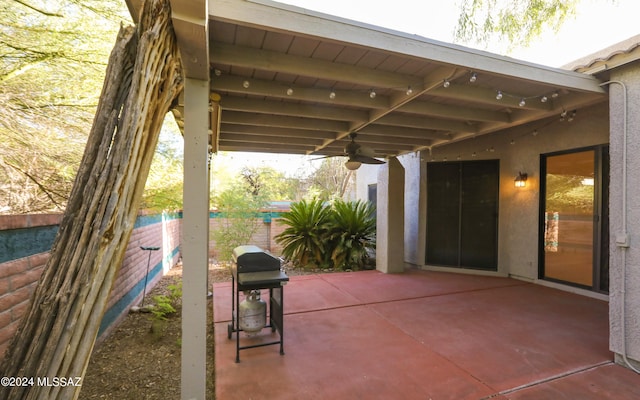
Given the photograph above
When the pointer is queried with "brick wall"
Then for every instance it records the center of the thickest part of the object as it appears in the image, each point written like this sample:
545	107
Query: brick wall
162	231
263	238
25	241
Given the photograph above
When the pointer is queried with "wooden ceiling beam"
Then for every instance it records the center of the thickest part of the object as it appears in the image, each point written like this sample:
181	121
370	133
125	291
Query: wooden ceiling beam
426	123
427	108
401	133
236	117
292	109
257	138
265	60
273	131
231	145
257	87
481	95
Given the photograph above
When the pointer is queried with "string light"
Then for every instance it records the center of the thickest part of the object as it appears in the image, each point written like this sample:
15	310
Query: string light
445	83
569	116
563	115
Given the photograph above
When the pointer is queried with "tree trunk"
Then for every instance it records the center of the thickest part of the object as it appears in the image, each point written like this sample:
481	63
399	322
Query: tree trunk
56	336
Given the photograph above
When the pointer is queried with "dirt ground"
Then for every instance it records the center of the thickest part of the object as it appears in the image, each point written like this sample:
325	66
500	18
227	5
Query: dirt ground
136	362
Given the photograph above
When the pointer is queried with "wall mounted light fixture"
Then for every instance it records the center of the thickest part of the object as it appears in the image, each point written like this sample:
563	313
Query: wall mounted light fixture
521	180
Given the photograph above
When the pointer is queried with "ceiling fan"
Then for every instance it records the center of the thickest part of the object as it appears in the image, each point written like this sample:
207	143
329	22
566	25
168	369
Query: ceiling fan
358	154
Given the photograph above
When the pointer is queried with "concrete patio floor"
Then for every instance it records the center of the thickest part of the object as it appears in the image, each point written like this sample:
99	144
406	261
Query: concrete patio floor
425	335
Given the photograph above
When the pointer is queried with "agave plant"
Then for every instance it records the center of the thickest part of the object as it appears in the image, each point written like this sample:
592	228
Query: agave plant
352	233
304	241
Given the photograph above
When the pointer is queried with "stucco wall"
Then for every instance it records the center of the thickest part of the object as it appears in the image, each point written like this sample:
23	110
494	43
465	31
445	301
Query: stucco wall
518	149
624	306
390	217
413	234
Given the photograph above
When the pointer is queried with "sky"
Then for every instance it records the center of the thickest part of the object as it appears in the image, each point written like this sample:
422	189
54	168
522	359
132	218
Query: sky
597	25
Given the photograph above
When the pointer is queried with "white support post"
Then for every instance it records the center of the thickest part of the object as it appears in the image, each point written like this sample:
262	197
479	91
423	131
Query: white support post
195	240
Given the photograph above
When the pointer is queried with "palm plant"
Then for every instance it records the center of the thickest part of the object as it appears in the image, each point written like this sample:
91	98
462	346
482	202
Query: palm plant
352	233
304	241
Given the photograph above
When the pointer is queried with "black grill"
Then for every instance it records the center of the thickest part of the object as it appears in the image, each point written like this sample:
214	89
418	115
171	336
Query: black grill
254	269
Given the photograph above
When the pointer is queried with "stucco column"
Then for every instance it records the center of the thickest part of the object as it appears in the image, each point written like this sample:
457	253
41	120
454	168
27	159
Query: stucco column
624	273
195	239
390	218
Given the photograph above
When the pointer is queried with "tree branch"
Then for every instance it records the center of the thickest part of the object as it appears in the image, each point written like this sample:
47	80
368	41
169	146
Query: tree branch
47	192
43	12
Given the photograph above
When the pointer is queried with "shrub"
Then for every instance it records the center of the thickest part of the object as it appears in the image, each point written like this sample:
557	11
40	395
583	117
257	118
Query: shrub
238	212
164	307
352	232
303	241
335	236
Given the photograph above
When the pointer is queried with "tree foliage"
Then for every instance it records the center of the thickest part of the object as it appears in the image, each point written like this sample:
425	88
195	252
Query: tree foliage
237	210
53	56
52	61
331	180
58	331
269	183
164	187
568	194
516	22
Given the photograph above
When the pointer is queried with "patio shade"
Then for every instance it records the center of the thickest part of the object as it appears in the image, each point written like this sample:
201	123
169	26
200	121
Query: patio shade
295	81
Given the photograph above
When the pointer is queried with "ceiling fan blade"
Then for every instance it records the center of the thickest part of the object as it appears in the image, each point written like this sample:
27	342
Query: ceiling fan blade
365	159
330	156
365	155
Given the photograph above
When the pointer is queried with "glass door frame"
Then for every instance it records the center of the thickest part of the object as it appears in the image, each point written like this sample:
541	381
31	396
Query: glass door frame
600	218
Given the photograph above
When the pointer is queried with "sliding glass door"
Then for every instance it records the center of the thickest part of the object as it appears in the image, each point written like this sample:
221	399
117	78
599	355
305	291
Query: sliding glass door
462	214
574	218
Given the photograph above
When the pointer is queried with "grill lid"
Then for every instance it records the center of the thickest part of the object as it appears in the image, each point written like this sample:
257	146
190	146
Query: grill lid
249	258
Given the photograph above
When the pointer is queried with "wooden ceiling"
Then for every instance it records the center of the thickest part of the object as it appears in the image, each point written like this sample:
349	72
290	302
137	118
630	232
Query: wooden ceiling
295	81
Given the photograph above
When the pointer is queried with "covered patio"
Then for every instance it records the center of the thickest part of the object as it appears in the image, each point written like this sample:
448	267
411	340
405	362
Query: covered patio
425	335
263	76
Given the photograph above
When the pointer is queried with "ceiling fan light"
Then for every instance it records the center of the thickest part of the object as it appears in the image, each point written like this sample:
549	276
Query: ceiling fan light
352	165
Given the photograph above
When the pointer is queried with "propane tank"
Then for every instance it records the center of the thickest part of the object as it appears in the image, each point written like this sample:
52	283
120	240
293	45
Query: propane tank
253	313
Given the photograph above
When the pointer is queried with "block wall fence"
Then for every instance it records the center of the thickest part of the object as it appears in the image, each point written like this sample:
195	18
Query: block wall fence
25	242
268	227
